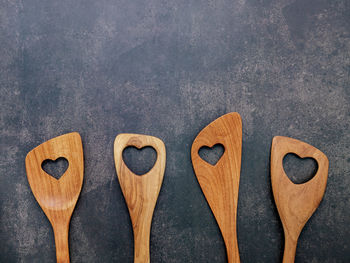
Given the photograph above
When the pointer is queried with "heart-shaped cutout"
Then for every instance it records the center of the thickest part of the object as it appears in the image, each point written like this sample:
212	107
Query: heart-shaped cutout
212	154
299	170
139	161
55	168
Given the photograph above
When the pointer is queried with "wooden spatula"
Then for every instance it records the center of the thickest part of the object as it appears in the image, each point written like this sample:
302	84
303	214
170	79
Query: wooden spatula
140	191
220	183
57	198
295	202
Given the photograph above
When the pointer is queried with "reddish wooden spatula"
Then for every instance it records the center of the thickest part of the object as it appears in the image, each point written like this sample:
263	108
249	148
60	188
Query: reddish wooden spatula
220	183
295	202
57	198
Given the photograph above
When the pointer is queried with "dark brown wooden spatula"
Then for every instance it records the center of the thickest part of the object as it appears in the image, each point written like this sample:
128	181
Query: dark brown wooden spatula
57	198
220	183
295	202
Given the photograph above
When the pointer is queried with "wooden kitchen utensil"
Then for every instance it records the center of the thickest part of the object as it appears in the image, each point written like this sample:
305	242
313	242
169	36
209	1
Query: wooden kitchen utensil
140	191
57	198
220	183
295	202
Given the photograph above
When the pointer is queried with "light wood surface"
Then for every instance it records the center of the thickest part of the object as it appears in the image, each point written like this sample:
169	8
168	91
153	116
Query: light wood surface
57	198
295	202
140	191
220	183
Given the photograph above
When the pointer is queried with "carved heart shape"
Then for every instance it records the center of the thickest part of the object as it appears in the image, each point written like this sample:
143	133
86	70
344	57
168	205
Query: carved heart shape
299	170
212	154
55	168
139	161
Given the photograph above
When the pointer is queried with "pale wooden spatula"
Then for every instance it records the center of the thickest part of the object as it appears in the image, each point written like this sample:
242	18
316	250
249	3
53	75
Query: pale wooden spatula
57	198
295	202
140	191
220	183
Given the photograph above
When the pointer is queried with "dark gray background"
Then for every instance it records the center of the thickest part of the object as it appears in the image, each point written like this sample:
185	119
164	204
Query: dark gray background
168	68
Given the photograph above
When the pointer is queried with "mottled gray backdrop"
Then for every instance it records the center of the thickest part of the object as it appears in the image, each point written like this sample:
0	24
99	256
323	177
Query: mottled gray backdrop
168	68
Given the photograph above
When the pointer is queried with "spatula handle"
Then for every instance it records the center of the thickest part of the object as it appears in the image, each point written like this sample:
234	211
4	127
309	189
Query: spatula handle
290	247
140	191
61	242
141	241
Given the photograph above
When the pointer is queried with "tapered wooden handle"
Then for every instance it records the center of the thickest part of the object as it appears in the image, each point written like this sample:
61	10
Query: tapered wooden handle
290	247
296	202
61	242
220	183
140	191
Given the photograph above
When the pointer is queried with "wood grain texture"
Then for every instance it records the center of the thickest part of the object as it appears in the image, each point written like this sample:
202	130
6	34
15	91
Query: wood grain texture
220	183
140	191
57	198
295	202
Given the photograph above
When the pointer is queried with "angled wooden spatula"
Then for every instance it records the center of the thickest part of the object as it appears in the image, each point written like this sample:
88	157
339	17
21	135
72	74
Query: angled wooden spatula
57	198
295	202
220	183
140	191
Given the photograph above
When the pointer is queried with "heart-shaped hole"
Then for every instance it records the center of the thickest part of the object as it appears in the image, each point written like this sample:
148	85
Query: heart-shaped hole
299	170
55	168
139	161
212	155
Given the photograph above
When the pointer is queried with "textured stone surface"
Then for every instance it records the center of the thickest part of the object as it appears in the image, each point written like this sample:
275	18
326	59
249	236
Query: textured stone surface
168	68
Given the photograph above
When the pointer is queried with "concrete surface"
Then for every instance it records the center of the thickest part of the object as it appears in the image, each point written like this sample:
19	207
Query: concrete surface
168	68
